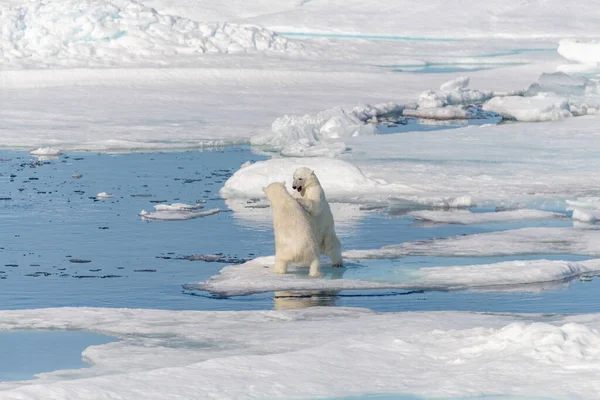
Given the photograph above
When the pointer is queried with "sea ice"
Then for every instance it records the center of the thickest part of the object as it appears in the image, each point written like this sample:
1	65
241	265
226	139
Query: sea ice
118	32
165	354
256	276
505	243
466	217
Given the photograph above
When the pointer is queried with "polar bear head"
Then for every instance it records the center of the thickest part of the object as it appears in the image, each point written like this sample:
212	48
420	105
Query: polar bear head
303	177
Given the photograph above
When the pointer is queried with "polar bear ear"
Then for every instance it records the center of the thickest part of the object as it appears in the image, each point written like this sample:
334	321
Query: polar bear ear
264	189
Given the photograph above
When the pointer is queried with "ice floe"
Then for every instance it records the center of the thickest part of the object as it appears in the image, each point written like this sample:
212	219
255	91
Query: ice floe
467	217
256	276
165	355
176	214
505	243
178	207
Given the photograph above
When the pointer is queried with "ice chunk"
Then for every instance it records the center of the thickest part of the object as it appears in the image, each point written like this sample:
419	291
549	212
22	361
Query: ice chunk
309	130
104	195
506	243
45	151
369	112
561	84
177	215
466	217
454	92
178	207
432	99
542	107
585	52
586	215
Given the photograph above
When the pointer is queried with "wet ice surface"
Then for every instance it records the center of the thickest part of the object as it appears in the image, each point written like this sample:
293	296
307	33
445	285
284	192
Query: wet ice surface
65	247
26	353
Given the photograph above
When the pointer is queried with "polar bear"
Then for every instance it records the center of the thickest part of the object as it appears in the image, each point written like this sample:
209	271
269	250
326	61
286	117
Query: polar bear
295	239
309	193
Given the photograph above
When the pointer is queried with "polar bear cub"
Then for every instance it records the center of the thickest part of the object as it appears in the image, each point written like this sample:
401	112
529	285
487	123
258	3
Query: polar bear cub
295	239
309	193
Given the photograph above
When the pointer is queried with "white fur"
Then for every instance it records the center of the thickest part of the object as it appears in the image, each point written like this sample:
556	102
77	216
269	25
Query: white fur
295	239
311	196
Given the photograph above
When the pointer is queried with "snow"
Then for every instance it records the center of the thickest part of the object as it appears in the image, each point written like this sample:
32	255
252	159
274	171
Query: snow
504	243
464	353
542	107
256	276
466	217
581	51
176	214
105	33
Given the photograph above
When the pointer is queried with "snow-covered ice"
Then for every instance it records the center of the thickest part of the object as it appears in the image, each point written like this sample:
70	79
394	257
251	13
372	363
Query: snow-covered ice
165	355
121	32
467	217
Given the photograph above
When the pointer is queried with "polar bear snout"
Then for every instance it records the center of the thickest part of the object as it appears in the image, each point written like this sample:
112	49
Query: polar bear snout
297	184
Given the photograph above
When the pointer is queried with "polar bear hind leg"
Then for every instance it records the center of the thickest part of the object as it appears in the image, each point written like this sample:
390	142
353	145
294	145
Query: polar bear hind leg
280	266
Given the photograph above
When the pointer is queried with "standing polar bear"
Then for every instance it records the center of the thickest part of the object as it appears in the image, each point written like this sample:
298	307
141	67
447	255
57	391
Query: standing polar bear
295	239
311	196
